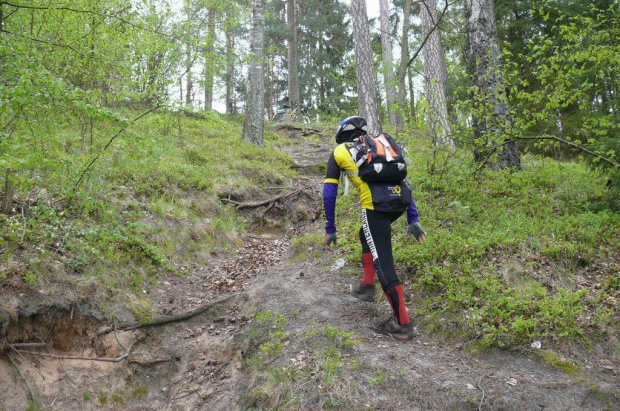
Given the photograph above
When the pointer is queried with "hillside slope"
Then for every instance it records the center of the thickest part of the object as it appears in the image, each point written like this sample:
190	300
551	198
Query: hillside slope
279	328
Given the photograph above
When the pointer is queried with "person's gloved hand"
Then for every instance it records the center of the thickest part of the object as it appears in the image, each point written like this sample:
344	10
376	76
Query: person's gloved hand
330	238
417	231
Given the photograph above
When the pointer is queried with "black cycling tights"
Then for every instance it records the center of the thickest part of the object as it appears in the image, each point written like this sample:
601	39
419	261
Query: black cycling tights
376	238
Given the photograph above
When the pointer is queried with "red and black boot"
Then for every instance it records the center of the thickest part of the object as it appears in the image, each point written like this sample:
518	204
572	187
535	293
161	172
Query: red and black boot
366	290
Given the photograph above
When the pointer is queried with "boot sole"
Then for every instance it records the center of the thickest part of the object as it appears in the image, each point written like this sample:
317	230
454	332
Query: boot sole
364	297
396	335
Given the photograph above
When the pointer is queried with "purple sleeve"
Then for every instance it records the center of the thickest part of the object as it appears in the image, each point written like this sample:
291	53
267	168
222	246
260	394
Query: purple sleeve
412	212
330	191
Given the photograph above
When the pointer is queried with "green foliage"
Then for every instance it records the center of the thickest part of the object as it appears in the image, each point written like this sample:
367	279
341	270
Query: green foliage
562	81
341	338
505	251
150	203
318	368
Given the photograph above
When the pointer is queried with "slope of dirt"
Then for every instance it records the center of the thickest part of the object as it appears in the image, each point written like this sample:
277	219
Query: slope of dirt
209	362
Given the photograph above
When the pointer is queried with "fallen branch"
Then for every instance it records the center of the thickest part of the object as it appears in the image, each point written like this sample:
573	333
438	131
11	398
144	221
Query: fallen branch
31	396
257	204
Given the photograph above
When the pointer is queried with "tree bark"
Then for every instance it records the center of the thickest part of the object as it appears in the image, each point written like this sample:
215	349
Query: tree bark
271	86
485	66
254	124
435	76
404	57
209	59
366	83
230	69
388	67
412	106
188	55
293	60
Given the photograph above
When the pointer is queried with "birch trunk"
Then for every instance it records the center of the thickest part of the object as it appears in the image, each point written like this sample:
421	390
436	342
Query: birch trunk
254	124
435	76
404	57
485	66
388	68
366	83
293	62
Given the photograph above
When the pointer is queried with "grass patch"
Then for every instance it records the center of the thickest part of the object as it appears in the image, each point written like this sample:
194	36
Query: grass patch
299	371
150	203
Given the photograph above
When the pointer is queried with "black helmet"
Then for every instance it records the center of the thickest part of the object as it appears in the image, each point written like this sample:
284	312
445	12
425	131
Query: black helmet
350	128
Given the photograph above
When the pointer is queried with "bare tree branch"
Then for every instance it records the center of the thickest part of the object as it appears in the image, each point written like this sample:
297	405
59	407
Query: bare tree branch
572	144
90	164
428	35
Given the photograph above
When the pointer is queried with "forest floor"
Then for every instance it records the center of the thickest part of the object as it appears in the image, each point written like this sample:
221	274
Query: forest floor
285	332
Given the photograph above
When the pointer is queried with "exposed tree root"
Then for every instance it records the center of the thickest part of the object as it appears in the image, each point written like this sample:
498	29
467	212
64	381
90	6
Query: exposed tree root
162	320
267	202
71	357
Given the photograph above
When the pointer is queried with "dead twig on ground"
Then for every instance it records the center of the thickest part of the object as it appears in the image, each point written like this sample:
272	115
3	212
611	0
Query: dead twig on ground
12	347
31	396
17	345
483	393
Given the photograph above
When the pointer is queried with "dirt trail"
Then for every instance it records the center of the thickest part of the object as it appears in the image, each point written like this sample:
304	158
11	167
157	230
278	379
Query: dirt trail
202	363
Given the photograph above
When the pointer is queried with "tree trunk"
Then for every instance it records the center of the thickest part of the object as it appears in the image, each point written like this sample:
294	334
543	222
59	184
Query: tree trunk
230	70
209	59
271	86
404	57
435	76
254	124
412	107
188	55
293	61
366	83
485	66
388	68
189	83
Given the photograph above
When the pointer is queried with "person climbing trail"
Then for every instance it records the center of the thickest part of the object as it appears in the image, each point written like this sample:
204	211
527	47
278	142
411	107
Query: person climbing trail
382	203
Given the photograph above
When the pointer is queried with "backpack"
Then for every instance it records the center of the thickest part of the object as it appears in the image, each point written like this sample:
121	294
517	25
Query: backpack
379	159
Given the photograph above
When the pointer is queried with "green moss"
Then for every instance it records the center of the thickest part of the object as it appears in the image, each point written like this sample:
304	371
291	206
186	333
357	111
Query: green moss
567	367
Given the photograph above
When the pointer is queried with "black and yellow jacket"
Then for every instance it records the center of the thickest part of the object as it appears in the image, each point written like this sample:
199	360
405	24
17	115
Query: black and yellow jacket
340	161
